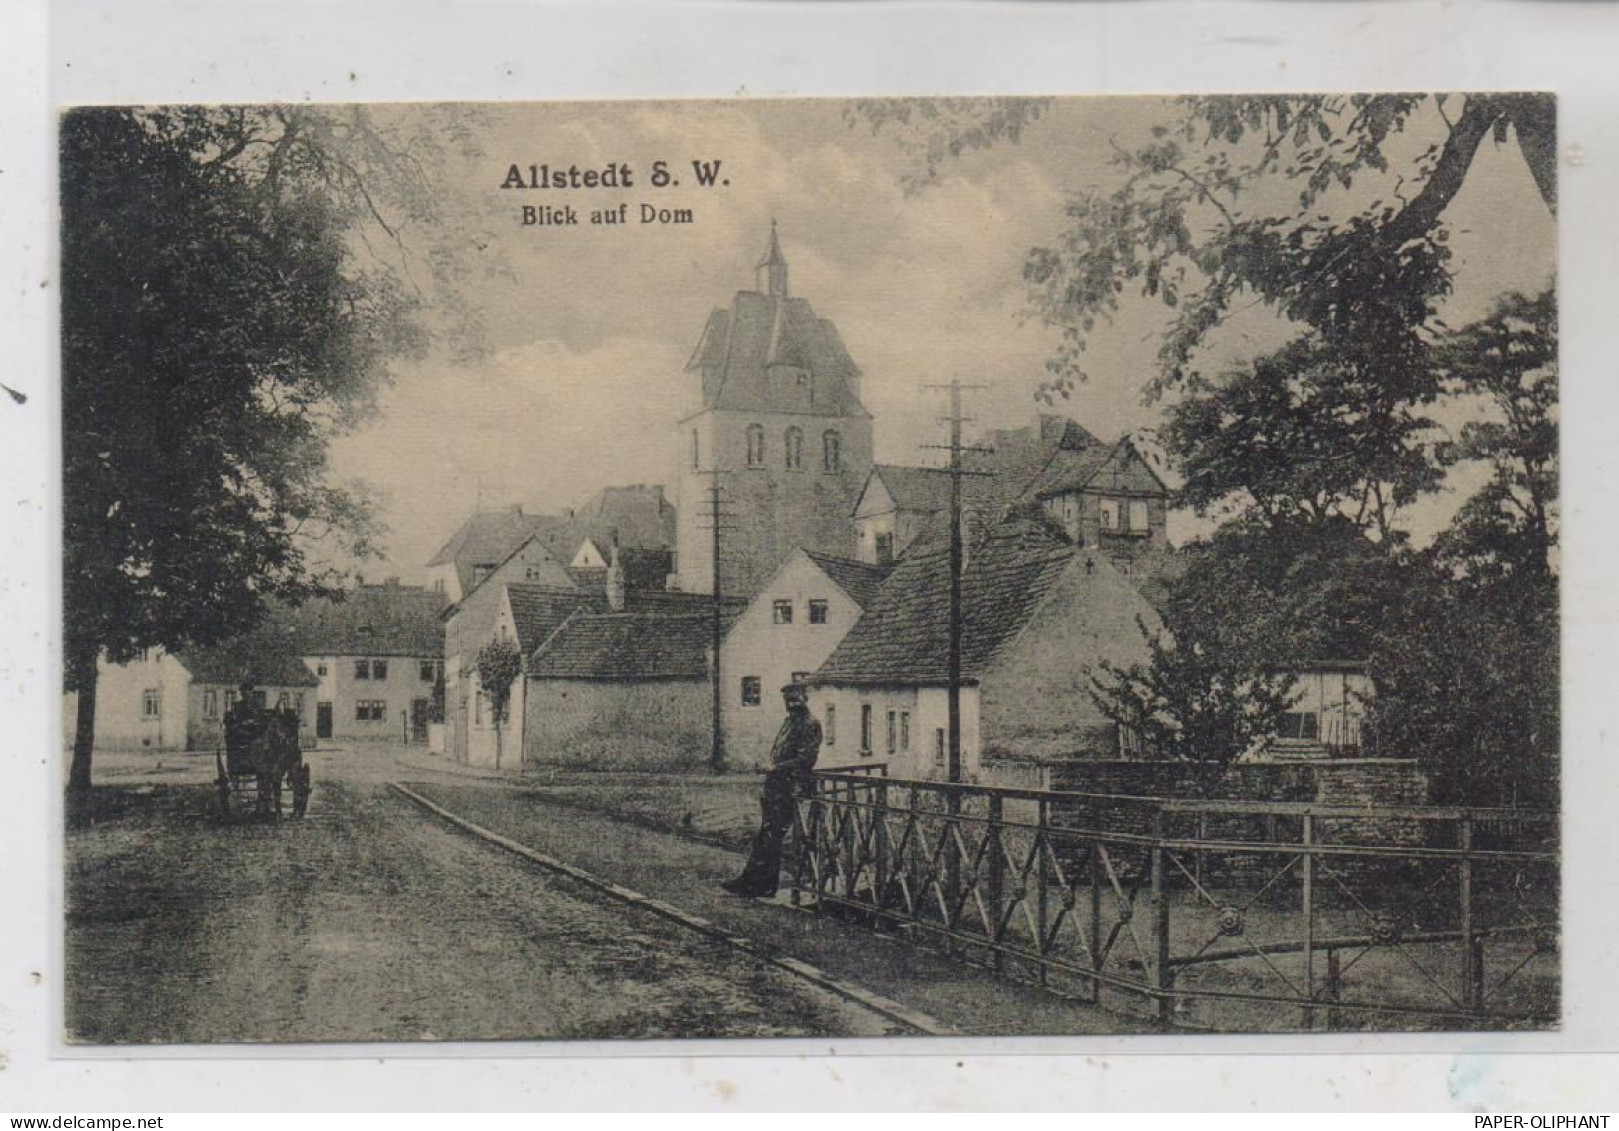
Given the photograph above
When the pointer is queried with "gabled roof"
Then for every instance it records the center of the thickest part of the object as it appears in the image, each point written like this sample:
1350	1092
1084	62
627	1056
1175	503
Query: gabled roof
1075	471
738	346
539	610
643	569
486	538
625	646
860	580
268	656
372	620
903	637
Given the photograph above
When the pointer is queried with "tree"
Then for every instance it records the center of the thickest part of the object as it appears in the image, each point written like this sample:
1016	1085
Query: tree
226	311
1189	704
499	664
1302	203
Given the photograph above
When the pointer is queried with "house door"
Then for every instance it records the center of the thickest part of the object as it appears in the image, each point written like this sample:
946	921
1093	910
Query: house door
323	720
418	720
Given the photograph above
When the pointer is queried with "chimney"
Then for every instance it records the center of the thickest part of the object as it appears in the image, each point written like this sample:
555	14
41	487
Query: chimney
615	582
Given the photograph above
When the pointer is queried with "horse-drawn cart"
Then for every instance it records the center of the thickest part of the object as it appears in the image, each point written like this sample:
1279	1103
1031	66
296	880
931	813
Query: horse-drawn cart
262	761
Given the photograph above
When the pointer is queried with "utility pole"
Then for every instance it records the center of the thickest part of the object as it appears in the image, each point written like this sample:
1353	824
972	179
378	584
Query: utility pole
717	516
956	448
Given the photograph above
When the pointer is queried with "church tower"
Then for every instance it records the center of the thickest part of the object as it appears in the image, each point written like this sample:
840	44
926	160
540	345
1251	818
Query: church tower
773	403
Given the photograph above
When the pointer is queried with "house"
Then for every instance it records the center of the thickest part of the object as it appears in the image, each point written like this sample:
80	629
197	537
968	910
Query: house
773	409
177	700
622	689
786	632
485	541
1052	461
1331	698
1107	496
527	614
378	653
1038	615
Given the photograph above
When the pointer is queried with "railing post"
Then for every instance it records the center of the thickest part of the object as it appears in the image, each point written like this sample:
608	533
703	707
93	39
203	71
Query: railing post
879	836
993	832
850	866
1334	987
1160	905
1307	908
1042	844
1472	972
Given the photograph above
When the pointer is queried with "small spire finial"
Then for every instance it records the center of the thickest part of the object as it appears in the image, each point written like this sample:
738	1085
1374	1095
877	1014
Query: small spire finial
772	269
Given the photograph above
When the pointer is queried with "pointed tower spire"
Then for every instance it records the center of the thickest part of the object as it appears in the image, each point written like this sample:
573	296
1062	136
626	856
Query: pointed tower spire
771	271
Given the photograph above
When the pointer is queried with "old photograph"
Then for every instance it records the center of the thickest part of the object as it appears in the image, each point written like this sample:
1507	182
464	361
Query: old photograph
810	568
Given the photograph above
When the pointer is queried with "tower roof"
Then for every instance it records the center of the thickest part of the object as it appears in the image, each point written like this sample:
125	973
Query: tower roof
773	256
771	353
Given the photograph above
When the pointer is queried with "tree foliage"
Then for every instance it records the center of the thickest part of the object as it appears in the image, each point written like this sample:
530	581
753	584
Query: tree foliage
235	285
499	664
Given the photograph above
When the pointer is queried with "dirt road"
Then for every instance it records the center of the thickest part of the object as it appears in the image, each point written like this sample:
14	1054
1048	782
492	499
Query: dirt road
370	921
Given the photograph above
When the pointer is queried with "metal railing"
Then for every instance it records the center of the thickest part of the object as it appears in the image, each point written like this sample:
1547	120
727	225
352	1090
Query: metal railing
1203	914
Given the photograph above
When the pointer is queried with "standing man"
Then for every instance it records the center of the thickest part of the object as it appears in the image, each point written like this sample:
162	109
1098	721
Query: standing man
791	760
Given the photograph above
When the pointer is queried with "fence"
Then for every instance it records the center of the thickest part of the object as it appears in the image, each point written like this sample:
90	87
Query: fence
1204	914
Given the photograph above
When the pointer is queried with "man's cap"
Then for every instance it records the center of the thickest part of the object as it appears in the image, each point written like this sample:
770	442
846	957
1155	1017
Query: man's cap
795	691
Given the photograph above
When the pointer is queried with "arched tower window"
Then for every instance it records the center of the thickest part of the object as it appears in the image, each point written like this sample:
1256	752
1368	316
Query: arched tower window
794	444
696	452
831	451
756	445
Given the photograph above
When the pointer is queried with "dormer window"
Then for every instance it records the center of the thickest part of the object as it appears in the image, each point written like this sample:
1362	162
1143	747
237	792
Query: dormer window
756	445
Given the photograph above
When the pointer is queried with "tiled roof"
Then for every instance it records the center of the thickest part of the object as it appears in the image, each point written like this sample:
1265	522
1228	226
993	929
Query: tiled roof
643	569
625	646
860	580
903	637
539	610
268	656
738	346
486	538
373	620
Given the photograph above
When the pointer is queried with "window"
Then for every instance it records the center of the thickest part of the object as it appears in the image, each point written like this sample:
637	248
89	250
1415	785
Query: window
784	612
320	670
794	445
370	710
865	728
1138	516
210	704
817	612
829	732
904	730
885	549
429	671
362	669
298	703
230	701
379	669
477	708
893	731
283	701
149	703
1110	514
756	445
831	451
1303	725
751	688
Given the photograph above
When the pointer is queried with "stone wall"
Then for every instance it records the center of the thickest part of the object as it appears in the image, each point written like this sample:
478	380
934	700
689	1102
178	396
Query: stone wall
650	724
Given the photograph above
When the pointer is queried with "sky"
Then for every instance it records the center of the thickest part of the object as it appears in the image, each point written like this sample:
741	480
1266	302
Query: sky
588	328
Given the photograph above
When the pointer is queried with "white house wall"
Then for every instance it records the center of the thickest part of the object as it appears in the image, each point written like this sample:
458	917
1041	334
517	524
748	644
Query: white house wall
757	647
